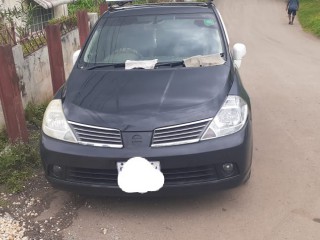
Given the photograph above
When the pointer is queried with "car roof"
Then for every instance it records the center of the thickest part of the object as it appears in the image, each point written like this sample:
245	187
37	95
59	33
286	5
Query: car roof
161	8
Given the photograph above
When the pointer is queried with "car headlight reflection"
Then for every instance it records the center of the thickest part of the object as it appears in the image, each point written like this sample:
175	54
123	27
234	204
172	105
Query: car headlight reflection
55	124
231	118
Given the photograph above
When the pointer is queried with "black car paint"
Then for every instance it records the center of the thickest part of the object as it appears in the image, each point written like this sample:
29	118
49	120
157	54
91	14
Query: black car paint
131	100
180	95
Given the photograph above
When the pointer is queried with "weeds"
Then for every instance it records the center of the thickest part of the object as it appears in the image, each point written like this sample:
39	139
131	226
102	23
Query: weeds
68	21
34	113
32	44
3	203
18	161
89	5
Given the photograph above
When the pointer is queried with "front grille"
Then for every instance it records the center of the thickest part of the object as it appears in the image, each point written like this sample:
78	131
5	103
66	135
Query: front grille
175	176
97	136
97	176
179	134
190	175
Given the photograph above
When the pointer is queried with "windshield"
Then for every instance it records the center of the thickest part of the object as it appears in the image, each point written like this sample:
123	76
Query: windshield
168	38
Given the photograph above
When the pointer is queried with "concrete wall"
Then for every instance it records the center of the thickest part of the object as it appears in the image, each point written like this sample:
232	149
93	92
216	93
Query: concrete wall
70	44
60	11
34	70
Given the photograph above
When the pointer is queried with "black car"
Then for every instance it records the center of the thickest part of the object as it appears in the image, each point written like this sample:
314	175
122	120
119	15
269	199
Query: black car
157	82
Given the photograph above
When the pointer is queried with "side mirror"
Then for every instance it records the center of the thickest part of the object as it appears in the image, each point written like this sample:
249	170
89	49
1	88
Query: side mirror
75	56
239	51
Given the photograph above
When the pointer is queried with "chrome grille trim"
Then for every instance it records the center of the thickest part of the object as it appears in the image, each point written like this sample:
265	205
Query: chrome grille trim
179	134
97	136
192	130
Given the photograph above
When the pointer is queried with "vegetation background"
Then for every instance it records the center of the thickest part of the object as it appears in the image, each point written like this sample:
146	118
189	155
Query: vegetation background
309	16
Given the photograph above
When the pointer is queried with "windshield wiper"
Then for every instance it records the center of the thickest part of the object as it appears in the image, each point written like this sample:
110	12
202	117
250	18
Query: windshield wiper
122	65
114	65
170	64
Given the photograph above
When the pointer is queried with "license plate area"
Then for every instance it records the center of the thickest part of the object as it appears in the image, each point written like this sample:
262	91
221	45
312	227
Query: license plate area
155	164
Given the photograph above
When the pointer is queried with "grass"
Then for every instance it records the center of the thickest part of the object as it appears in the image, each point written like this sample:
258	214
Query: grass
18	161
309	16
3	203
34	113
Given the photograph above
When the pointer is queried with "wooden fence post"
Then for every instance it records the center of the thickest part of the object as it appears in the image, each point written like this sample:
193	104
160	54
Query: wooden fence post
55	56
103	7
83	26
10	97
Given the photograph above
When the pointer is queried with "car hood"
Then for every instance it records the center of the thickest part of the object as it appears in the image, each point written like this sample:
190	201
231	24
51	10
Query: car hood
142	100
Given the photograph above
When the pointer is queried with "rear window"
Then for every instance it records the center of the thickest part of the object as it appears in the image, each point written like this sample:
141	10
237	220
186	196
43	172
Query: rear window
171	37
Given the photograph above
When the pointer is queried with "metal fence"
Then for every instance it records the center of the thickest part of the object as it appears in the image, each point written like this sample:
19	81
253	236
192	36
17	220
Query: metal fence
35	40
7	36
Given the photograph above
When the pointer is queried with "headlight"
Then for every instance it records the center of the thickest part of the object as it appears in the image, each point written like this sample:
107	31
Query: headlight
230	119
55	124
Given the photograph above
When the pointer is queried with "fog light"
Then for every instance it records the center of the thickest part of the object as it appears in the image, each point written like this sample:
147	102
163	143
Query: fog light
228	168
57	170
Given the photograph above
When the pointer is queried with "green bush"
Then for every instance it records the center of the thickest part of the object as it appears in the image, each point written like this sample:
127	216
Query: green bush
69	21
89	5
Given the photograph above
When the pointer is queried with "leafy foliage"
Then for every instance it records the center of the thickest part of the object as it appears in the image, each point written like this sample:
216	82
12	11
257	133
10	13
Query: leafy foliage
89	5
22	13
65	20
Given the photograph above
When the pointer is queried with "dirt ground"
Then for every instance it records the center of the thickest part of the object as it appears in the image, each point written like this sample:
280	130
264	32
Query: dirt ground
282	199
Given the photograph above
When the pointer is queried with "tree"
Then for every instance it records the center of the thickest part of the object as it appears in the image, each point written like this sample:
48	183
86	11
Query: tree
19	16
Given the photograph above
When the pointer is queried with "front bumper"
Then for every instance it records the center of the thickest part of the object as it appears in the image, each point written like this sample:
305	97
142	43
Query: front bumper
187	168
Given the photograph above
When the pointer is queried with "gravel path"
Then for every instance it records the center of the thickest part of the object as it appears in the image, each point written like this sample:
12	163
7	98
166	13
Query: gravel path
15	224
11	229
29	215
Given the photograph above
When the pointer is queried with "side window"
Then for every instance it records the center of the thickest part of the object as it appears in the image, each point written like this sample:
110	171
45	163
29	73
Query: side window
91	52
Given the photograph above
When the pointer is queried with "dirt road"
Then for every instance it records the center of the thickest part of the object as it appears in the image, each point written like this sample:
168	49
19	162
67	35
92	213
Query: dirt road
281	201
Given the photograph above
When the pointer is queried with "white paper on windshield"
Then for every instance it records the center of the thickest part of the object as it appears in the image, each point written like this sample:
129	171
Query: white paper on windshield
146	64
204	60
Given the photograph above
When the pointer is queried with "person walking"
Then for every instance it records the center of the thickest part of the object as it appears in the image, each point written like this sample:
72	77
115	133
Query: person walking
292	8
